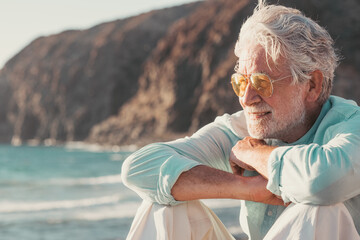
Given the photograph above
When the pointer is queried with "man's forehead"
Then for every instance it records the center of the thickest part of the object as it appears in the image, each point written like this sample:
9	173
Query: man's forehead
254	59
251	53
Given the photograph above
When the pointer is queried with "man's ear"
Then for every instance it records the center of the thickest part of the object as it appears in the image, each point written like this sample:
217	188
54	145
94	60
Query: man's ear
315	86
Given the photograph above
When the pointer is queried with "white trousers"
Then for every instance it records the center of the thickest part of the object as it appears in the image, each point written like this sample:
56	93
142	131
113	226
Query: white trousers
300	221
194	221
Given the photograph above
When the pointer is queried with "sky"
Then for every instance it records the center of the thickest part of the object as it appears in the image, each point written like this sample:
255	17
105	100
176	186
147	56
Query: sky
21	21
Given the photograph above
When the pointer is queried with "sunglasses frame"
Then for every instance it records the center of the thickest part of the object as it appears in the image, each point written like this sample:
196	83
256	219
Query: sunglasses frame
248	79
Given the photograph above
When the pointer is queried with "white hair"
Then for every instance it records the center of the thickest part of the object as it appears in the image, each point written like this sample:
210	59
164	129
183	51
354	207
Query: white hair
286	32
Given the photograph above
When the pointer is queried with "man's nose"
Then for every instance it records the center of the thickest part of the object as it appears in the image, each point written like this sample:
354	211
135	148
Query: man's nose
250	97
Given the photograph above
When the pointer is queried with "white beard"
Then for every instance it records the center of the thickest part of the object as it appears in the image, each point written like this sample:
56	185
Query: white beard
275	126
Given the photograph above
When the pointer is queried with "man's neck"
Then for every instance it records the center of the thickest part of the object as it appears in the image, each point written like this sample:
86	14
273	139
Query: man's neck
311	116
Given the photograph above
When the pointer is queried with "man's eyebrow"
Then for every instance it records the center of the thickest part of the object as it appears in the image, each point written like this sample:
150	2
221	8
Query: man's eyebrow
236	68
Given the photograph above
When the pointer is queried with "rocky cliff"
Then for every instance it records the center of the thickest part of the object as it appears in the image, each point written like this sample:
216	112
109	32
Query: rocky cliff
152	77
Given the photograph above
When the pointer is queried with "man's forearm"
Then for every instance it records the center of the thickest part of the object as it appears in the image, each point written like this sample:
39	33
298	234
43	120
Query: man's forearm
203	182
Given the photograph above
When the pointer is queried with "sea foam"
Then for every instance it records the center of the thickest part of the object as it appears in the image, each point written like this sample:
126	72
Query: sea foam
13	206
110	179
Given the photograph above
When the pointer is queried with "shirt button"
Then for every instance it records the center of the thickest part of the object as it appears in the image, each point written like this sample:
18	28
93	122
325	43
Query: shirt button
270	213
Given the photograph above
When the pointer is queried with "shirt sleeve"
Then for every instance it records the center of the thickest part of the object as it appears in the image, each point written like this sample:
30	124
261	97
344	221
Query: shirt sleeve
153	170
320	174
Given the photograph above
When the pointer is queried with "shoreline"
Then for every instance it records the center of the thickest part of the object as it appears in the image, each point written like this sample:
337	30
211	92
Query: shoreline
74	145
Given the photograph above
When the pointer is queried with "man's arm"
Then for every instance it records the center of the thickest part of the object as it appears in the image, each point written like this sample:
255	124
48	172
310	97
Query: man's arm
203	182
153	170
320	174
316	174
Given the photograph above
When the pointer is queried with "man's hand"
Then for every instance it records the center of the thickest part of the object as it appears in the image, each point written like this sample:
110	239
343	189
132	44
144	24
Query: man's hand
250	154
259	193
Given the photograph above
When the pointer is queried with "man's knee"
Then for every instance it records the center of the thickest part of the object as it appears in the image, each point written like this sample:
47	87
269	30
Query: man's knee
188	220
300	221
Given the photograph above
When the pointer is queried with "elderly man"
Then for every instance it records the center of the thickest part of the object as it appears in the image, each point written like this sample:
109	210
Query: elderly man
293	151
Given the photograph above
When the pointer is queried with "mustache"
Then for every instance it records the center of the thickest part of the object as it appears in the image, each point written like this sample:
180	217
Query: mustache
260	107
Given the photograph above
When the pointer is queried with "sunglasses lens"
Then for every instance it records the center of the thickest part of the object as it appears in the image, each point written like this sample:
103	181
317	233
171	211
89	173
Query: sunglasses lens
262	84
238	83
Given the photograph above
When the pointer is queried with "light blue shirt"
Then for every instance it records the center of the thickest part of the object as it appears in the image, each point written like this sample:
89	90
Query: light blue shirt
321	168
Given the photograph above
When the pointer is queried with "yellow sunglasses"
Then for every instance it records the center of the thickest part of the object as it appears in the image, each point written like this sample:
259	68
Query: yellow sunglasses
261	82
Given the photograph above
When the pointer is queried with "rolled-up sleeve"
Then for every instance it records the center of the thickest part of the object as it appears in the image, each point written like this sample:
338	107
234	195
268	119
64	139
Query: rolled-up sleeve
153	170
319	173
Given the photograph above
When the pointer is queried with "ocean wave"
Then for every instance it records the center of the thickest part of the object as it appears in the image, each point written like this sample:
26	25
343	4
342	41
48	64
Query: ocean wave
110	179
101	180
15	207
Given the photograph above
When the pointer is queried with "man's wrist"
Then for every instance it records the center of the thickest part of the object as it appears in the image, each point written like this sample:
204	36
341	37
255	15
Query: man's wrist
260	162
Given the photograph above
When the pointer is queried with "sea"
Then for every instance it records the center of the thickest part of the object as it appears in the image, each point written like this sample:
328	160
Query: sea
73	192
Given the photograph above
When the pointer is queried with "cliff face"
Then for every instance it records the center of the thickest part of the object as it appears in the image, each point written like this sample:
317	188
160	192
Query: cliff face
62	85
147	78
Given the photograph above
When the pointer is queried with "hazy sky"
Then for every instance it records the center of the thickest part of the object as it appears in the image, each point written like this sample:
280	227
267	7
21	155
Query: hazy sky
21	21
